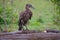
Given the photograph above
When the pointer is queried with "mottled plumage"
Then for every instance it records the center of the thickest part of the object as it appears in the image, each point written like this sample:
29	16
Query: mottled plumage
25	16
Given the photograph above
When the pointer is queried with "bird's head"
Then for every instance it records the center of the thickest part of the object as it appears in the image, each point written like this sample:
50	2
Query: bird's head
29	6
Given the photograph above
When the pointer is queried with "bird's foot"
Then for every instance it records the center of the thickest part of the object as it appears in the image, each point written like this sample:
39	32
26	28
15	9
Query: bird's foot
27	29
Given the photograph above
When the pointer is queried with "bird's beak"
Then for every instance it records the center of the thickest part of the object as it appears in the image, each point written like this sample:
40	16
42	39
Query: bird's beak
32	7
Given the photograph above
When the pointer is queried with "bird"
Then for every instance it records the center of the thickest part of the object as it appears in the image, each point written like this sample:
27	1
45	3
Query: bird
25	16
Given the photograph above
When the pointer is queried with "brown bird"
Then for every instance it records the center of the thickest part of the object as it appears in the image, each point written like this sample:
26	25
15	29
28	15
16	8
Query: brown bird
25	16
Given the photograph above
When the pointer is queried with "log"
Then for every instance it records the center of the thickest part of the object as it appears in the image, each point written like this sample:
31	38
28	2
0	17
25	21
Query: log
29	36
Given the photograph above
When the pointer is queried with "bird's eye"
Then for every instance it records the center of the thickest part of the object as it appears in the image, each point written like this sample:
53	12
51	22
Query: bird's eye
30	6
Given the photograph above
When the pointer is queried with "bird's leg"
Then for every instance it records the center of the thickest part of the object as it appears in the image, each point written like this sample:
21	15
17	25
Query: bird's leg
27	25
26	28
23	29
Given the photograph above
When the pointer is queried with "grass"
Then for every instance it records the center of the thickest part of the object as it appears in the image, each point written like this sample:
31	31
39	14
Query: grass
44	9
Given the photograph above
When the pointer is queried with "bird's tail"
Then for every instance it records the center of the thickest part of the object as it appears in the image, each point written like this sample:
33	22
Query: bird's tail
20	28
20	25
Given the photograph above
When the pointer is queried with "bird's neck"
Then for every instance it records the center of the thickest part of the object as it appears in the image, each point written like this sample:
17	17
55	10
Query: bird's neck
27	9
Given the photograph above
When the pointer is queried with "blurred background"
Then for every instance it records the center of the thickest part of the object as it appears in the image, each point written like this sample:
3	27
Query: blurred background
46	14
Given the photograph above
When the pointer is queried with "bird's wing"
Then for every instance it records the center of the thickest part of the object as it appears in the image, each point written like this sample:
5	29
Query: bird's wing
21	15
30	15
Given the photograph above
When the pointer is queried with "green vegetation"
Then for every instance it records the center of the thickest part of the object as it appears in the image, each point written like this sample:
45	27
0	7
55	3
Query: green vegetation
46	14
57	14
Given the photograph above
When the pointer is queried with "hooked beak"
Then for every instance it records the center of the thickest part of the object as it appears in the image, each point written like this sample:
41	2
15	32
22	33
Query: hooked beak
32	7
